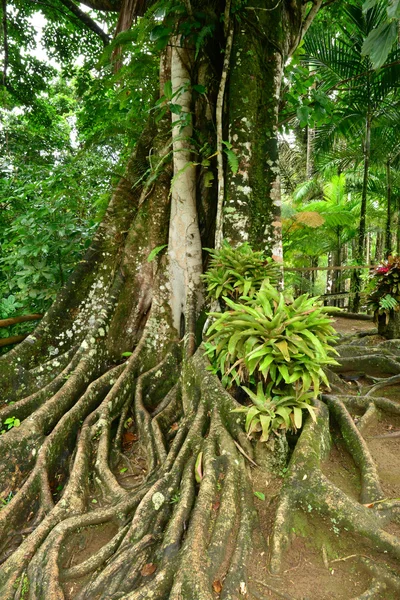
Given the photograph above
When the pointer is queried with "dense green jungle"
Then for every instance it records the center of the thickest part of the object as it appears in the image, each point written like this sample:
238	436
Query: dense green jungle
200	300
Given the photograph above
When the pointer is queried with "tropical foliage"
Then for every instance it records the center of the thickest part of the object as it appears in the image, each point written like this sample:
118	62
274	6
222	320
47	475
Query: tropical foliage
272	346
240	271
384	288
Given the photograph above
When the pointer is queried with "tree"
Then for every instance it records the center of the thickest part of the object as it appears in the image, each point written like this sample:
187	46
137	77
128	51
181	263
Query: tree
343	63
121	339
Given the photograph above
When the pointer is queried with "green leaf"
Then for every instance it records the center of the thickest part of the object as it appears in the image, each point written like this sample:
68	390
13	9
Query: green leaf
232	160
252	412
200	89
265	421
369	4
260	495
393	9
198	468
125	354
298	417
155	252
379	43
168	89
159	31
283	347
175	108
303	114
123	470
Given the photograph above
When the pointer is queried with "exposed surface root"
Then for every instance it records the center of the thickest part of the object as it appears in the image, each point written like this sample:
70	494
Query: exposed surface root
187	527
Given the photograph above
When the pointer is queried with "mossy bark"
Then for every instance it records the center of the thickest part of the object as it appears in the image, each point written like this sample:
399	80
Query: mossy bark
261	44
107	366
389	325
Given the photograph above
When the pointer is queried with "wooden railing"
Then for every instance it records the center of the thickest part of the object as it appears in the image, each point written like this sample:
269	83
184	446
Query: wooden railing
336	295
15	339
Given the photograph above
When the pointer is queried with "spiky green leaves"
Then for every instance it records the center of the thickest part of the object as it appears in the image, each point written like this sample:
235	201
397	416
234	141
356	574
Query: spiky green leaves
234	272
278	344
272	338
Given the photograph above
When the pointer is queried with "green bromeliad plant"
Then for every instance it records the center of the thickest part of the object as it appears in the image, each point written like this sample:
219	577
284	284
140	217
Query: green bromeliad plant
234	272
275	349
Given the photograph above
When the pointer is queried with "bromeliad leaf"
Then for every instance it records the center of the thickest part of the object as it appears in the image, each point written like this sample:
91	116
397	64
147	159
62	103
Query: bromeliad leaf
155	252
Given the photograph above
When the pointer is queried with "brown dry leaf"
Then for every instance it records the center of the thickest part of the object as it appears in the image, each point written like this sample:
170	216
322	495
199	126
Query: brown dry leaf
370	505
217	586
174	427
148	569
310	218
128	438
216	505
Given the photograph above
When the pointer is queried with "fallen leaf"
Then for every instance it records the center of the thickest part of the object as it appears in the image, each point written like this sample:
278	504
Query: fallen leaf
217	586
174	427
260	495
148	569
216	505
370	505
128	438
198	469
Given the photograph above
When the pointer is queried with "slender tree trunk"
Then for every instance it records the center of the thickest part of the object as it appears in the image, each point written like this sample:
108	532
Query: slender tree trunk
184	244
363	214
379	247
388	233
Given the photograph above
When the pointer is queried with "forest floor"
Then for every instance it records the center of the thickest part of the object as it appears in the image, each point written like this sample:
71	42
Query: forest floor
321	563
323	560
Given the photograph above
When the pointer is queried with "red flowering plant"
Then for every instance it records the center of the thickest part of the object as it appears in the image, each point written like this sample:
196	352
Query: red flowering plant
384	288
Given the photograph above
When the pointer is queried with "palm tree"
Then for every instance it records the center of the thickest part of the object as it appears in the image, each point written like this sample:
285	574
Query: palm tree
363	96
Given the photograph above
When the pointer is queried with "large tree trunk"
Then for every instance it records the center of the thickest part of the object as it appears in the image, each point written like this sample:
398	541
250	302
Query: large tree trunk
116	406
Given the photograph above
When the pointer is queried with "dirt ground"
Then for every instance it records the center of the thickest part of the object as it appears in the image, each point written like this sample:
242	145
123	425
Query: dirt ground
321	563
350	326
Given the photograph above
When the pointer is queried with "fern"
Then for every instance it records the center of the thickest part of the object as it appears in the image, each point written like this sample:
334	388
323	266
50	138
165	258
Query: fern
206	31
388	302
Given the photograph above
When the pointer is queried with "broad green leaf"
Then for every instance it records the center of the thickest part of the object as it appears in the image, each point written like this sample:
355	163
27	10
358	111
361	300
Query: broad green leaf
253	412
283	347
265	421
379	42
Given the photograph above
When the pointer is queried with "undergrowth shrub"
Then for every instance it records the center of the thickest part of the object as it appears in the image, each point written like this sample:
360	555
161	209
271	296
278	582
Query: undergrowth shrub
384	288
275	349
234	272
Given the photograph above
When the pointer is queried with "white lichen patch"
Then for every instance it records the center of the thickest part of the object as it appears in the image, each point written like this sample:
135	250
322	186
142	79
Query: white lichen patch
158	500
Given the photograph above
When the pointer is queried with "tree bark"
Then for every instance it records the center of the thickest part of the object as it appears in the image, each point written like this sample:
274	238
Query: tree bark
363	213
117	425
388	234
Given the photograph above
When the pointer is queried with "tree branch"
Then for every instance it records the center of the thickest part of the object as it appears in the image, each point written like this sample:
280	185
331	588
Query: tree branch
5	41
86	20
106	5
219	110
310	17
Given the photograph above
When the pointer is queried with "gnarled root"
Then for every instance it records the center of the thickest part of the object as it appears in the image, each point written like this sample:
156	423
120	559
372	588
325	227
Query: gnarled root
186	528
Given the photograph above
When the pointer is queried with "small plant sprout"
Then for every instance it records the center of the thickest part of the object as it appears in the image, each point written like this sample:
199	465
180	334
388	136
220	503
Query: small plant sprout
9	423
